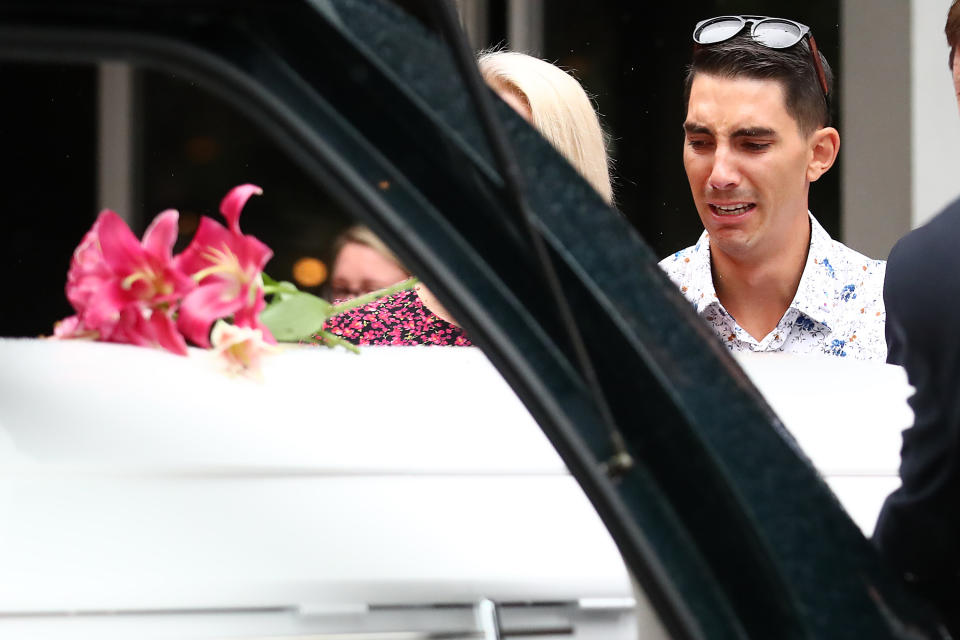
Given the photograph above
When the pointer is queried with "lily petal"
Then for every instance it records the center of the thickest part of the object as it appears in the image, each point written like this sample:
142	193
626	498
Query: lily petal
71	328
164	332
120	248
130	329
195	258
161	235
103	306
201	307
249	316
252	252
232	204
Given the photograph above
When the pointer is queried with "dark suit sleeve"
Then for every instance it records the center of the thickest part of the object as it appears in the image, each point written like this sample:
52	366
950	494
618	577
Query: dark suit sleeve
918	531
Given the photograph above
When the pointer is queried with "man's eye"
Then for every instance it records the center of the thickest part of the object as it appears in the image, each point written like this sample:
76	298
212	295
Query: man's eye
698	144
756	146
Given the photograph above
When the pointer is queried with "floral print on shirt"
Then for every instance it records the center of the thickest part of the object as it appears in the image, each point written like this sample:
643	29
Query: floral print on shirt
837	310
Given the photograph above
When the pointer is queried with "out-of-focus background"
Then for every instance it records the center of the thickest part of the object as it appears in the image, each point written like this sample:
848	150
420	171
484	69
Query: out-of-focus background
79	138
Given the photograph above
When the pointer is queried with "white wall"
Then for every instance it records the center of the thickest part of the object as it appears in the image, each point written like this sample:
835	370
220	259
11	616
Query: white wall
901	128
875	132
935	121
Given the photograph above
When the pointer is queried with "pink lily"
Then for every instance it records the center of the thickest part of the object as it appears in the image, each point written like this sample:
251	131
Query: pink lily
226	265
240	349
71	328
125	290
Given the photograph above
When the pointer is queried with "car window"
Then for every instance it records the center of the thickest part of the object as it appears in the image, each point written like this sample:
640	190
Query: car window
360	503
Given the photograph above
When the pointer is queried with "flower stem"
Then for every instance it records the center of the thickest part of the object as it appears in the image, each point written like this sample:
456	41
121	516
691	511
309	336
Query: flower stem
367	298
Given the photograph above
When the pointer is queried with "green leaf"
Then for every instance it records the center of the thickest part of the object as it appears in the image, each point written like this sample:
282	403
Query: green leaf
367	298
330	340
296	316
282	289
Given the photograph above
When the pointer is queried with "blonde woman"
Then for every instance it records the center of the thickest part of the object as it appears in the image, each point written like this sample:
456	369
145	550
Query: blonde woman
362	263
555	104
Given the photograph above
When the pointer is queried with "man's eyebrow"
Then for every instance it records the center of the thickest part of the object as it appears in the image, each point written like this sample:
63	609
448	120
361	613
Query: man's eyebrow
693	128
754	132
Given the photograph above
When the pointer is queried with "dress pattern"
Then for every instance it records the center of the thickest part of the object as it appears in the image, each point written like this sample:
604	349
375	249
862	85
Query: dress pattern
398	319
837	310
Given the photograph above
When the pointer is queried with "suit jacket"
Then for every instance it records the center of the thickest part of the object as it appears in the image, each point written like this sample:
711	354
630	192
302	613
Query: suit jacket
918	530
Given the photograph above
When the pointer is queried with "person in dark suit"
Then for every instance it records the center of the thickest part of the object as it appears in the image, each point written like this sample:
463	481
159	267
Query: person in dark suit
918	530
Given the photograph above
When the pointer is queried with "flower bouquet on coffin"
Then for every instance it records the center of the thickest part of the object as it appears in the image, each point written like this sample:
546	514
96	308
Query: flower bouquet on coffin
214	294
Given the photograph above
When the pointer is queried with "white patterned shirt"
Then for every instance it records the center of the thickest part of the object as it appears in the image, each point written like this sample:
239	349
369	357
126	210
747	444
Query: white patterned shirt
838	309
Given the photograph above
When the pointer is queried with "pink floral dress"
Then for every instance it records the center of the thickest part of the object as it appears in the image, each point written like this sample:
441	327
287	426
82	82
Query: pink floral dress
399	319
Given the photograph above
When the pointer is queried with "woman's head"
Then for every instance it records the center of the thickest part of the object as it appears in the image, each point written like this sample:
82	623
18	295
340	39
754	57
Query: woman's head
362	263
557	106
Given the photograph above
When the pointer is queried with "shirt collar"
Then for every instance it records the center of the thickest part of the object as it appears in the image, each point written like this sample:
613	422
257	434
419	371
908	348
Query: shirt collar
701	281
816	282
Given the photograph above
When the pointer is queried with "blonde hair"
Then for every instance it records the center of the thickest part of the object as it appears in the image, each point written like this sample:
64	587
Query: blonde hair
559	108
360	234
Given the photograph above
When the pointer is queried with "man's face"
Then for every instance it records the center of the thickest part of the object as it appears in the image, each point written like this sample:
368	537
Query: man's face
747	165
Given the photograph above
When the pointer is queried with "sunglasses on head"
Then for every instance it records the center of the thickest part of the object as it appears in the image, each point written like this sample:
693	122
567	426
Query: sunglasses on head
776	33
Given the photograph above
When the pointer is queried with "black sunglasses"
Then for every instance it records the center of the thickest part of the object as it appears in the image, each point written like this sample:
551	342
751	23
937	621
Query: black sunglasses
776	33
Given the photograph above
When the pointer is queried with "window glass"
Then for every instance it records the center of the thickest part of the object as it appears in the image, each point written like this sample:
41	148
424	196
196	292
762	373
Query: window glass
264	531
48	200
194	147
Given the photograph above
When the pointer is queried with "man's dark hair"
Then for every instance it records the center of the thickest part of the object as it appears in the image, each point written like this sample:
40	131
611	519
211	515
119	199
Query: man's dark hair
743	57
952	29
